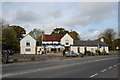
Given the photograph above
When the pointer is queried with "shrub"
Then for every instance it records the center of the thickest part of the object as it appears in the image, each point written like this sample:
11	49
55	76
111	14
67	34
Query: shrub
90	53
104	52
98	52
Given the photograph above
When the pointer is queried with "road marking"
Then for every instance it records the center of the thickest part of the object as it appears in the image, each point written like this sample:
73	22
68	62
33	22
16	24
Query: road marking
50	68
109	67
118	64
94	75
114	65
104	70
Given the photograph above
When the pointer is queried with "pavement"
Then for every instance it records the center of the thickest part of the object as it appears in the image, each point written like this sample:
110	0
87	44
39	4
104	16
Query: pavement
85	67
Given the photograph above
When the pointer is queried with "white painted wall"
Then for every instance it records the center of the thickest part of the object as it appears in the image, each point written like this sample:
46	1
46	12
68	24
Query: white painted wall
32	46
74	48
50	42
40	49
91	49
107	49
82	50
66	37
23	51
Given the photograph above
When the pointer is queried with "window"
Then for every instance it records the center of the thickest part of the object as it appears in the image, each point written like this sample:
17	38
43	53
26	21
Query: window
78	49
67	42
28	49
28	43
92	49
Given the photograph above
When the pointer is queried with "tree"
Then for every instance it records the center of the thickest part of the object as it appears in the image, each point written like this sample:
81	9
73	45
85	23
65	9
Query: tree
9	38
116	43
109	36
74	35
59	31
19	30
37	34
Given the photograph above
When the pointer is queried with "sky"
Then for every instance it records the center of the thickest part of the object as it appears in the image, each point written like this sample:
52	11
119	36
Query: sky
89	19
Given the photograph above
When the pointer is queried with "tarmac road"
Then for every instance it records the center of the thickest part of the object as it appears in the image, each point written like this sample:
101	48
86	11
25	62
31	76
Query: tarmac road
86	67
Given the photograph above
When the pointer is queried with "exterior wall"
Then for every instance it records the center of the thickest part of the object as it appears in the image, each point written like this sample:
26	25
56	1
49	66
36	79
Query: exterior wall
32	45
67	37
28	38
46	42
82	50
106	49
50	42
23	50
39	49
74	48
92	49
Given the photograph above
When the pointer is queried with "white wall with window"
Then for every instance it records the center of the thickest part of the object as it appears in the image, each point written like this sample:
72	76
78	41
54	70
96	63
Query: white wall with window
66	40
28	45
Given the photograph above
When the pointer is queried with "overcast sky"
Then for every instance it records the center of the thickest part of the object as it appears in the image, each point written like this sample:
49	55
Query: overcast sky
89	19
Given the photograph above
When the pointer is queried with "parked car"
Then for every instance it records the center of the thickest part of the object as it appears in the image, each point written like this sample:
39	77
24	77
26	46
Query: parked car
10	52
71	54
5	56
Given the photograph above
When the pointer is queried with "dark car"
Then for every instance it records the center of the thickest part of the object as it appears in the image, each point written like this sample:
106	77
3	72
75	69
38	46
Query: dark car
71	54
5	56
10	52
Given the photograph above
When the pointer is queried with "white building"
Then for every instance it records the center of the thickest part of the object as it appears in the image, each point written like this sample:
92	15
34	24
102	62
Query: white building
28	45
58	43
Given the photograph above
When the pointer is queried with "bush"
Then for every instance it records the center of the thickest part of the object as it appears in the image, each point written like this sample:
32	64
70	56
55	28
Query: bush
90	53
104	52
98	52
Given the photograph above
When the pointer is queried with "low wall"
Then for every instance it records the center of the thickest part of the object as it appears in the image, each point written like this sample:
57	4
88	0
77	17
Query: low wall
114	52
23	57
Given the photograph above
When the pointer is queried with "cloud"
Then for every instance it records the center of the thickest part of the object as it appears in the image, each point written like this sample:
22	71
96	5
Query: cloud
54	13
89	13
69	16
26	16
49	27
23	17
91	36
91	30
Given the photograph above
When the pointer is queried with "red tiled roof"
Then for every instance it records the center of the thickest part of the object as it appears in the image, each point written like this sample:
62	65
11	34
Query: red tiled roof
53	37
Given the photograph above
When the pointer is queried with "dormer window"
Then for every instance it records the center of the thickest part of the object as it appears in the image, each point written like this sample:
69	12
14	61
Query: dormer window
67	42
28	43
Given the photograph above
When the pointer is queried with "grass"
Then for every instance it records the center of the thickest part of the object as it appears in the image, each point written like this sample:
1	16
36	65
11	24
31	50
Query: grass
30	61
25	61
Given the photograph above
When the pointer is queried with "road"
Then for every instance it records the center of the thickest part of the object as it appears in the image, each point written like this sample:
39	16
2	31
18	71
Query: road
86	67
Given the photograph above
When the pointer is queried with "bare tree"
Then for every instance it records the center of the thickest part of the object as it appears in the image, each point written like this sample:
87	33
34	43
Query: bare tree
109	35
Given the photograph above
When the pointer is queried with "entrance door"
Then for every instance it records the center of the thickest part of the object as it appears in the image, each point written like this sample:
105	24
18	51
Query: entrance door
67	48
